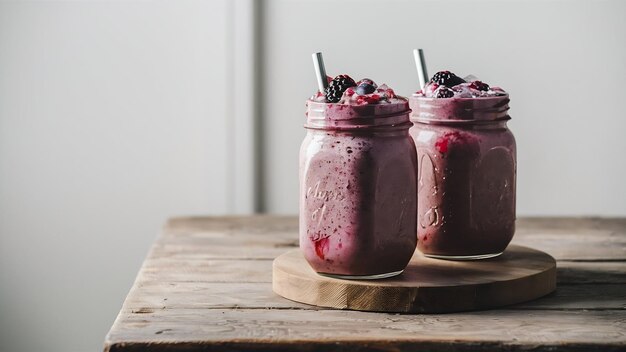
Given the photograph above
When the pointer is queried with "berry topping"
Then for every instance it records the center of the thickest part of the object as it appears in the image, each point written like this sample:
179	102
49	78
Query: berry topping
343	90
365	88
444	92
446	84
446	78
368	99
337	86
367	81
478	85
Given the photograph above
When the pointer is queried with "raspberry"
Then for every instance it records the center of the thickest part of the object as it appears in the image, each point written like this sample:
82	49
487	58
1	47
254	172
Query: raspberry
337	86
447	79
367	99
373	99
444	92
478	85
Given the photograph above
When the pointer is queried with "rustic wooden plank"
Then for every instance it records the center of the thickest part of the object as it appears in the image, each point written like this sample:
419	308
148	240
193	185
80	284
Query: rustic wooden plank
193	293
584	297
591	239
269	329
260	270
271	239
267	237
229	226
218	249
203	295
603	247
188	295
205	270
591	272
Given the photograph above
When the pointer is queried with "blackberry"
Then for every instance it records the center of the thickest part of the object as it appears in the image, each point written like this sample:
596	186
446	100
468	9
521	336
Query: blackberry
447	79
337	86
478	85
444	92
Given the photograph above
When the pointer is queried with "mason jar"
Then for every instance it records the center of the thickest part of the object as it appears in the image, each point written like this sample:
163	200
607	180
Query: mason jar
358	190
466	176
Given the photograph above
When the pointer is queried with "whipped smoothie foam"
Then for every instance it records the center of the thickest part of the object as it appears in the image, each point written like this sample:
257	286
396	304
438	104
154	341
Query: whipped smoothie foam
357	181
466	168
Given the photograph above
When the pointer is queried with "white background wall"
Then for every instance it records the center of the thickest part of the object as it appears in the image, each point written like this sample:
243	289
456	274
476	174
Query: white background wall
563	62
115	115
112	118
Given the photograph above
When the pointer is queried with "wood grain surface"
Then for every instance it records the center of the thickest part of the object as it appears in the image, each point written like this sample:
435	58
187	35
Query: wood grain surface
206	286
427	285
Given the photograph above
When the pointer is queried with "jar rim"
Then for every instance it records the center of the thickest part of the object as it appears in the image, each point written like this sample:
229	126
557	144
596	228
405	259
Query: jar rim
459	110
493	97
333	116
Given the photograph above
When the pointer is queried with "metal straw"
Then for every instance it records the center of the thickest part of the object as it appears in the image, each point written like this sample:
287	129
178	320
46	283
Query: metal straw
320	71
420	62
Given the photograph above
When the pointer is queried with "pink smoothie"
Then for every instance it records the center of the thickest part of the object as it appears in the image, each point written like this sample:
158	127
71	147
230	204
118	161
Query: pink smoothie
358	187
467	171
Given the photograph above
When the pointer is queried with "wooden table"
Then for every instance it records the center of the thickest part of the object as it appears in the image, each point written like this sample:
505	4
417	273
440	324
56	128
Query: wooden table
206	286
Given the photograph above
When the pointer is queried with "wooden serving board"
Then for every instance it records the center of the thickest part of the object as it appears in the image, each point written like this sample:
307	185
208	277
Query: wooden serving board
427	285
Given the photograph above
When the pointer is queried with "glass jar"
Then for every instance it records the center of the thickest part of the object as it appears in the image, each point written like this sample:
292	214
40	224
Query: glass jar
358	190
466	176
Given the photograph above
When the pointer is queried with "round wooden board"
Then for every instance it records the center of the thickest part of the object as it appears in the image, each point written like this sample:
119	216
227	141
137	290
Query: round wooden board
427	285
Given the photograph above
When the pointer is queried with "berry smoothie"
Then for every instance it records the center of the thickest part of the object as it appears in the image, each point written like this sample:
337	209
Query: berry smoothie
466	168
358	182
